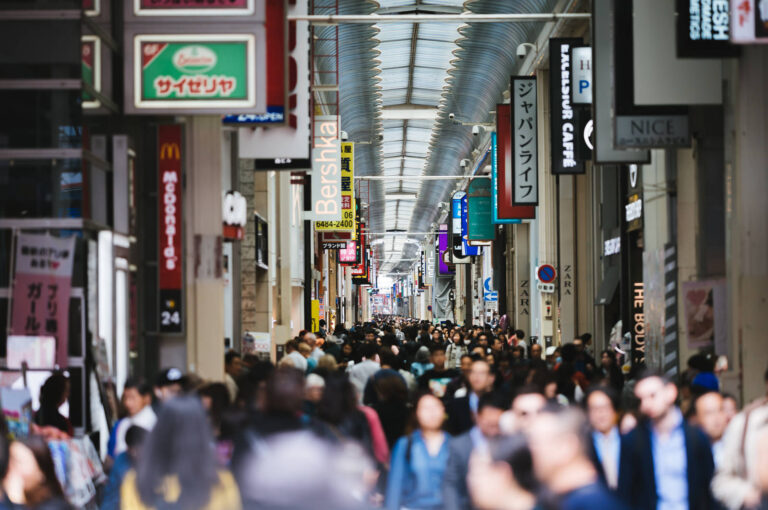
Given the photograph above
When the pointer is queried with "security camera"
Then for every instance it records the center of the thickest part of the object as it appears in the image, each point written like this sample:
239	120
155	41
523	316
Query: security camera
476	130
464	163
451	116
523	49
381	138
344	136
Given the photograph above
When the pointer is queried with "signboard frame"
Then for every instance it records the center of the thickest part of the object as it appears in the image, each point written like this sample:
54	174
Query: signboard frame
517	156
248	10
503	211
701	48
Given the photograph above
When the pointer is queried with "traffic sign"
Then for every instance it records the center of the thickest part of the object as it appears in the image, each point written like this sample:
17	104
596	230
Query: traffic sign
546	273
488	294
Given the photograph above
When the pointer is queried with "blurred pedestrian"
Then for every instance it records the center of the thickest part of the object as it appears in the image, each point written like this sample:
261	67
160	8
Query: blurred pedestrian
665	463
177	468
462	410
31	480
419	460
233	367
605	446
126	461
455	491
53	394
558	439
709	416
137	401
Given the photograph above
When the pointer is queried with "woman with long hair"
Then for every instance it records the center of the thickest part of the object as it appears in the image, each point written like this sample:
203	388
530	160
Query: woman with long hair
53	393
419	460
610	371
31	479
177	470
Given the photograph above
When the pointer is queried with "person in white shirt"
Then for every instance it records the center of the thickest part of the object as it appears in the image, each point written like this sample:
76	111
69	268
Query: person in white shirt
137	400
292	352
311	340
233	367
361	372
709	414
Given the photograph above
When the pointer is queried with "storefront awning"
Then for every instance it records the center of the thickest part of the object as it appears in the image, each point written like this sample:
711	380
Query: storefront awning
608	287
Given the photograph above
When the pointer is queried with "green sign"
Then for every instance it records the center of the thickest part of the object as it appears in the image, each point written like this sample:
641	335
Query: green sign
194	71
90	62
480	221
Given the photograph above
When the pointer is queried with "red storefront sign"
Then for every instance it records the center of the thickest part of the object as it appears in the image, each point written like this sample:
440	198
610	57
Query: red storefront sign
170	277
506	209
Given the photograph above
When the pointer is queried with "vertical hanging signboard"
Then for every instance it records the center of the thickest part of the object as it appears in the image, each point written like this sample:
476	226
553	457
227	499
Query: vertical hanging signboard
525	174
326	171
564	118
170	276
41	287
481	228
347	222
503	208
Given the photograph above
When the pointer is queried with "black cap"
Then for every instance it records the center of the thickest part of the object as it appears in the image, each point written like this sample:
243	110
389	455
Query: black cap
168	377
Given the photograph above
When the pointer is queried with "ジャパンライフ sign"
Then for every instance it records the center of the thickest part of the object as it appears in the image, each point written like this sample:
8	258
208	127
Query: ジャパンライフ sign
194	71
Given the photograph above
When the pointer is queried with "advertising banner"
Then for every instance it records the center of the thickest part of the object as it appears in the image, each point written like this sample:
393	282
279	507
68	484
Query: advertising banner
705	314
456	239
347	222
349	254
326	172
443	269
481	228
41	287
170	220
749	21
466	249
502	208
564	124
525	162
194	71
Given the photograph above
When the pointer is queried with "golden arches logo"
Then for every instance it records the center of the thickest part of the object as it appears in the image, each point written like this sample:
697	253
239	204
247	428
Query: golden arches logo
170	151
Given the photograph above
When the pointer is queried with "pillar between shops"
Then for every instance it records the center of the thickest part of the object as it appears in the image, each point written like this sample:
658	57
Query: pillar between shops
203	218
283	330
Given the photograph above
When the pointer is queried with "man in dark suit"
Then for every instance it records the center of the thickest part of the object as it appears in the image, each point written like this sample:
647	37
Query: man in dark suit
461	409
455	492
665	463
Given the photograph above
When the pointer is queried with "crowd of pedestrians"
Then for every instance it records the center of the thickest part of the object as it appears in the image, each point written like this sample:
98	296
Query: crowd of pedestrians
407	415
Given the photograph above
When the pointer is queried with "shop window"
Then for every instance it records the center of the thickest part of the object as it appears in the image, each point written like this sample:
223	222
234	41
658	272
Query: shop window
41	119
41	188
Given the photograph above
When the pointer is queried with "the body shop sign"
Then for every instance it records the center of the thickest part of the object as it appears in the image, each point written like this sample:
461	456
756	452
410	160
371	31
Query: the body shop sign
194	71
170	276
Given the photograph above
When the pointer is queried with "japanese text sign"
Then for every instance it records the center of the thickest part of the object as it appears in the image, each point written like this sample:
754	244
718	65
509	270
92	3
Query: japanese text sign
41	288
348	255
194	71
170	276
347	222
525	173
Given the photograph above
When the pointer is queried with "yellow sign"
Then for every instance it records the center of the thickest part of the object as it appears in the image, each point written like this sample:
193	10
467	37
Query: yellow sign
315	315
347	223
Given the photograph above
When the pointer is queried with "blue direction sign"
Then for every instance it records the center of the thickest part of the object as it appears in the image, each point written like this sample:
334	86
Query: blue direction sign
488	294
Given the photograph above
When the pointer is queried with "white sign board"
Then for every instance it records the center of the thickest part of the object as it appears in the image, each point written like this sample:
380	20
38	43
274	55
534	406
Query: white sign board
524	141
581	75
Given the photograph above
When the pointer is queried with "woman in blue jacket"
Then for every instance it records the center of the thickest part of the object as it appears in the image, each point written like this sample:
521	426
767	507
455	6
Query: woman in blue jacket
418	460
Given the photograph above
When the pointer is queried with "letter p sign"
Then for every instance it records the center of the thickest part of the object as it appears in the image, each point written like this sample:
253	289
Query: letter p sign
583	84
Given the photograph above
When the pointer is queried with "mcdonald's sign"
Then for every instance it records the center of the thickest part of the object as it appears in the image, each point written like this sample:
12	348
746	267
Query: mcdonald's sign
170	220
170	151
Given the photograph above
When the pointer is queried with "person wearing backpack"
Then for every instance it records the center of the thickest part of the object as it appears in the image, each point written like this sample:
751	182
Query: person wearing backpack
419	460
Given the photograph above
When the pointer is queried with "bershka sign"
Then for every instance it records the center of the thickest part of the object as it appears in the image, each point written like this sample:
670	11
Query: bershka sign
347	222
169	194
564	126
326	170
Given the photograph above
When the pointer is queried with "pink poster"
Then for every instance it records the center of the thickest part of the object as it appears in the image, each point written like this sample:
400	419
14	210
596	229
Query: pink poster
41	288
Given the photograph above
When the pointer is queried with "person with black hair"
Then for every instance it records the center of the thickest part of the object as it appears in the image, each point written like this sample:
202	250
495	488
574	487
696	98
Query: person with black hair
609	370
361	372
31	478
455	491
457	347
137	401
437	378
601	404
233	367
707	413
461	410
177	468
134	439
419	460
665	462
53	394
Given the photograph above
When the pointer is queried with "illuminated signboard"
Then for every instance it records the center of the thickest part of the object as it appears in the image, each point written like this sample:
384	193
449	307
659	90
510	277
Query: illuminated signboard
194	71
170	275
